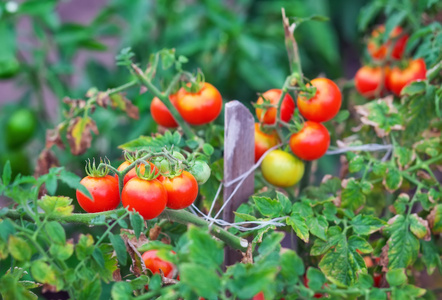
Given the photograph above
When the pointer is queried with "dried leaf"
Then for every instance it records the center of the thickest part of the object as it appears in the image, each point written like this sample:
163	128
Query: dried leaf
116	275
121	102
53	138
103	99
247	257
154	232
138	267
79	134
46	160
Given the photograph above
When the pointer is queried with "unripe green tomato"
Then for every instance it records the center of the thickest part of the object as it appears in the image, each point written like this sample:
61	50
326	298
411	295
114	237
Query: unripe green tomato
282	169
178	155
20	127
9	67
201	171
164	166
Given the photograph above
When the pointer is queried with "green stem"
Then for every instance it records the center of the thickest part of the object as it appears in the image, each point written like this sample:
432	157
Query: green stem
179	216
425	163
164	97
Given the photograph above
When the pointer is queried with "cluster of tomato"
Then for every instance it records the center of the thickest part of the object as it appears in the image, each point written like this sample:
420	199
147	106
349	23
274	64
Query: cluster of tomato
197	105
320	103
146	190
388	71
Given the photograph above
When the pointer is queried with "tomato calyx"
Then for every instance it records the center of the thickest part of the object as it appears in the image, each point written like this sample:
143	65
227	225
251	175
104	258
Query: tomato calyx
150	172
97	171
196	83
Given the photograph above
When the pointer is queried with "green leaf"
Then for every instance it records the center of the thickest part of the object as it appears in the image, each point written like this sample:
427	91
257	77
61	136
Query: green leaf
299	226
431	256
19	248
419	226
365	281
315	279
270	244
268	207
85	246
326	192
404	156
334	235
285	202
6	229
204	281
98	256
155	144
61	252
121	291
303	208
379	168
208	149
137	223
292	266
119	247
352	195
56	205
43	272
403	246
204	249
377	294
342	116
330	211
73	181
356	164
366	224
318	226
6	177
393	179
11	289
343	264
56	232
396	277
91	289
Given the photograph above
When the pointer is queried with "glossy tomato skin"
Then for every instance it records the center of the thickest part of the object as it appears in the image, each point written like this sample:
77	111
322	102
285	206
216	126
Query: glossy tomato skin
371	80
398	78
282	169
154	263
259	296
201	107
133	173
311	142
105	192
181	190
379	51
324	105
161	114
147	197
287	107
264	141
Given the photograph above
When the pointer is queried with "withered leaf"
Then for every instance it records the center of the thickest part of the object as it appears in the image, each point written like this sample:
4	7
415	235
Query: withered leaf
121	102
79	134
103	99
138	267
154	232
46	160
53	138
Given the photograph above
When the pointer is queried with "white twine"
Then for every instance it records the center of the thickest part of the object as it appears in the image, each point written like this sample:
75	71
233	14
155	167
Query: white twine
240	179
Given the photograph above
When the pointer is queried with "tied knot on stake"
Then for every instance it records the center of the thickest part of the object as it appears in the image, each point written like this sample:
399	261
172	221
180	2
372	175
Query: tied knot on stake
241	226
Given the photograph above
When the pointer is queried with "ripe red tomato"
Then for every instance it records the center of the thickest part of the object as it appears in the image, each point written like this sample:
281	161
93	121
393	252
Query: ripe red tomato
154	263
201	107
273	95
398	78
378	50
133	173
311	142
264	141
181	190
147	197
105	192
259	296
161	114
370	82
324	105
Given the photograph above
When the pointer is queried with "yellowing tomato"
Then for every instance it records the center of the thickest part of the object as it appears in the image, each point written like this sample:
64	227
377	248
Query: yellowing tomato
282	169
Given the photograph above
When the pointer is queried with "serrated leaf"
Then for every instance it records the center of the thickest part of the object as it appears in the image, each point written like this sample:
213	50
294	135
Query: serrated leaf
366	224
431	256
303	208
203	249
318	226
73	181
245	217
316	278
299	225
43	272
352	195
285	202
270	243
208	149
84	247
365	281
56	205
202	280
393	179
6	229
61	252
119	247
6	175
356	164
292	266
268	207
419	227
56	232
19	248
137	223
155	144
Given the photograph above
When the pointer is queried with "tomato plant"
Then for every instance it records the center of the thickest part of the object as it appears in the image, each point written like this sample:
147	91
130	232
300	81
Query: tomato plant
182	190
264	141
282	169
268	115
378	49
104	191
161	114
311	142
147	197
132	172
325	102
398	78
371	81
200	107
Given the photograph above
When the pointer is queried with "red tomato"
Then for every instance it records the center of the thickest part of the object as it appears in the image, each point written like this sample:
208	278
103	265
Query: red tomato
311	142
105	192
370	82
133	173
377	278
181	190
287	107
379	51
147	197
201	107
161	114
398	78
154	263
324	105
259	296
264	141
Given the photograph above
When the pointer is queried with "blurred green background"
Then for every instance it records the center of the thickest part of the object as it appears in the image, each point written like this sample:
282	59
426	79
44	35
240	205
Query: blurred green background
52	49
